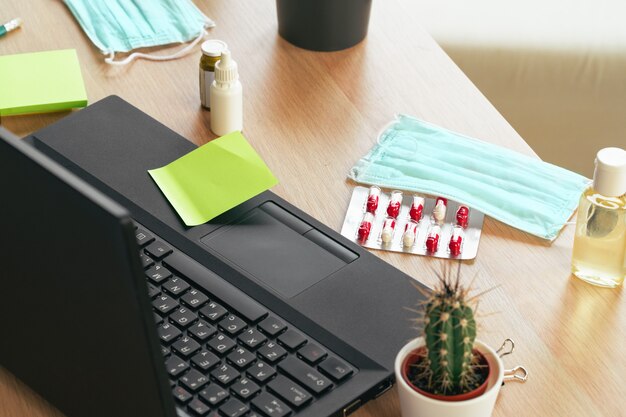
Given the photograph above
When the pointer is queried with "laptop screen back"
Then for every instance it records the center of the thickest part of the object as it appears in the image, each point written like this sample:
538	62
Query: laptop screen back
76	321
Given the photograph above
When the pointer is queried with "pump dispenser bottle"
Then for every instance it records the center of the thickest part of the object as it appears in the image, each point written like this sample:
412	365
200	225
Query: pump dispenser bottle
226	97
600	240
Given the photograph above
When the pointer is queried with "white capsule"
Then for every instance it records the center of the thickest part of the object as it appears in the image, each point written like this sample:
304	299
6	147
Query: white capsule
410	232
388	227
439	212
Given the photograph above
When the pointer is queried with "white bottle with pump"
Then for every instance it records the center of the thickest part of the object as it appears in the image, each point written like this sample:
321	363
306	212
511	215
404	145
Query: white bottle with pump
226	97
600	240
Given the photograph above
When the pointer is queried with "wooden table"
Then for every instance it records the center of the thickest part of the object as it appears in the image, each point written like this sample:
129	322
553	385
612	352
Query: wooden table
311	116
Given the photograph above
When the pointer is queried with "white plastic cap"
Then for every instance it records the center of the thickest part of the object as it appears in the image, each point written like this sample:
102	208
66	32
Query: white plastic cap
609	177
213	47
226	69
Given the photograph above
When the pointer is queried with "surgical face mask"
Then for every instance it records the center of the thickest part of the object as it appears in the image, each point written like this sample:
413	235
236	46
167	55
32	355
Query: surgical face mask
123	25
523	192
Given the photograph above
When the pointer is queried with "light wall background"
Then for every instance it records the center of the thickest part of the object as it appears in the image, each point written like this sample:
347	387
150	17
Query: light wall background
556	69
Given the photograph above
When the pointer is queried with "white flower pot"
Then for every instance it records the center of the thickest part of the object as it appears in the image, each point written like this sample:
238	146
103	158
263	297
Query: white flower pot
414	404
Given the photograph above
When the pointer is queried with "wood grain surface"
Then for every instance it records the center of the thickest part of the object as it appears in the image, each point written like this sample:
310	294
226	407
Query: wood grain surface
311	116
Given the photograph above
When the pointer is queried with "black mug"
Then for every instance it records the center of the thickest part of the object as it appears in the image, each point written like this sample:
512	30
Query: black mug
323	25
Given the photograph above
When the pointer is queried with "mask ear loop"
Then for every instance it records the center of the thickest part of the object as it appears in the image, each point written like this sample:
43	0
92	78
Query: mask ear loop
135	55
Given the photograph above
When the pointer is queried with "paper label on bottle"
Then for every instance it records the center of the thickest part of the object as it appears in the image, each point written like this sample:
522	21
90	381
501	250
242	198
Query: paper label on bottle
206	79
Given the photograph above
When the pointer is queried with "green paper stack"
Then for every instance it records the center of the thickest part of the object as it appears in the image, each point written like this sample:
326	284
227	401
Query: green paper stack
41	82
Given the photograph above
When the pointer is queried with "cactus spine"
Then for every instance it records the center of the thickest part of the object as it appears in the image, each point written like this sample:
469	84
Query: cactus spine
450	366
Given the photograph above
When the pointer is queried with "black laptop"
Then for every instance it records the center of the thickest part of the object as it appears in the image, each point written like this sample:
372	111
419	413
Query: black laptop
112	307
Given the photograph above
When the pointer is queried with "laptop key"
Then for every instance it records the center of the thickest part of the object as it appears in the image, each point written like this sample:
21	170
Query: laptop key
182	395
272	326
165	351
175	286
241	357
245	388
158	274
175	366
201	330
233	408
289	391
158	250
312	353
213	394
198	408
270	406
193	380
305	375
261	372
213	312
272	352
186	346
194	299
225	374
252	338
291	339
146	261
183	318
336	368
232	325
157	319
153	291
164	304
143	237
245	306
205	360
221	344
168	333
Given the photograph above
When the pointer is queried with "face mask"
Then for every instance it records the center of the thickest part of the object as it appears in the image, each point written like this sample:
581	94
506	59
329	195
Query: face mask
123	25
520	191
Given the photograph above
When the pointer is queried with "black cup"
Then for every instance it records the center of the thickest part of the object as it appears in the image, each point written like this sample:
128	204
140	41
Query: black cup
323	25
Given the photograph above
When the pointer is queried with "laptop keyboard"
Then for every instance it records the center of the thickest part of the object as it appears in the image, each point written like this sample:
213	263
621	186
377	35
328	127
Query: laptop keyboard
227	355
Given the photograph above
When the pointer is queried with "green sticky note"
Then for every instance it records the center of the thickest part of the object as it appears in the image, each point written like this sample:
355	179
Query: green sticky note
41	82
213	178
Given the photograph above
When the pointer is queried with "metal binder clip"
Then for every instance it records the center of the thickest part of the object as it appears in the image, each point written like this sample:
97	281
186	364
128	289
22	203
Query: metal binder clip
502	352
519	374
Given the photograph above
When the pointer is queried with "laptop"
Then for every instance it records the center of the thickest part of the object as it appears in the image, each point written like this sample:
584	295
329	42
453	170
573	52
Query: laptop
113	307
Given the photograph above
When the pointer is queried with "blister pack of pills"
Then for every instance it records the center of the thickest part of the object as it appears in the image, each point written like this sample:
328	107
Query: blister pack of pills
410	223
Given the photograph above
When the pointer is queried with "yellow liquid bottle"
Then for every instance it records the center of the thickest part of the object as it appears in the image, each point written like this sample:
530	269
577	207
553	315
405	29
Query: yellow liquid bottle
600	241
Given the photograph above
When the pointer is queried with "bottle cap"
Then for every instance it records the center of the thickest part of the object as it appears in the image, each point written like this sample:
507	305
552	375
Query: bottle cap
609	177
226	69
213	47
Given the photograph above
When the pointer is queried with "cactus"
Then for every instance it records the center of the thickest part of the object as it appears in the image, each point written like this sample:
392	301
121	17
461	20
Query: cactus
449	366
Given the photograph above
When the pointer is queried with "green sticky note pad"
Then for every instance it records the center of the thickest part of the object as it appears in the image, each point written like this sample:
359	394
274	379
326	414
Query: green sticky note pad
213	178
41	82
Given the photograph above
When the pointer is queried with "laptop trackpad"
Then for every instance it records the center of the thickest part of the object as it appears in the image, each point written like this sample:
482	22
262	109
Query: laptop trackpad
284	255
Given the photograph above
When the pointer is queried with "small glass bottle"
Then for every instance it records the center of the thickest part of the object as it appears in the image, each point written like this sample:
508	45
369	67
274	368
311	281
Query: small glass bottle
211	53
600	241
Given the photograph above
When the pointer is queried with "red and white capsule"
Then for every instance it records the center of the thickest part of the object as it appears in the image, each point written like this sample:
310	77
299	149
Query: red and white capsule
372	199
395	202
439	212
365	227
415	213
388	227
462	216
456	241
432	240
410	234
